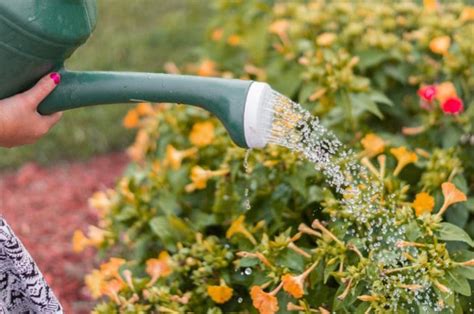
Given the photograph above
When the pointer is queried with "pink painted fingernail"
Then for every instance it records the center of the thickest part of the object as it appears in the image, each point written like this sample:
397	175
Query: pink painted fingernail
56	77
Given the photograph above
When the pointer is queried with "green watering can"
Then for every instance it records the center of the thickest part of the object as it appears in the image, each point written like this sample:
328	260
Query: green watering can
36	36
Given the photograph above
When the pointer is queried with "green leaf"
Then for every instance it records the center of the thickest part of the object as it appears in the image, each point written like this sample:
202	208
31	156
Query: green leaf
292	260
380	97
170	230
467	272
168	204
457	215
413	231
459	283
363	102
328	270
371	58
450	232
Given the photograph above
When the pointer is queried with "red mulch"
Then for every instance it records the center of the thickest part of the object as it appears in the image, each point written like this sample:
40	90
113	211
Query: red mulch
45	205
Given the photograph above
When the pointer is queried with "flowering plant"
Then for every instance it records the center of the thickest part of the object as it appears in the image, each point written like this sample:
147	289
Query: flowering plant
395	83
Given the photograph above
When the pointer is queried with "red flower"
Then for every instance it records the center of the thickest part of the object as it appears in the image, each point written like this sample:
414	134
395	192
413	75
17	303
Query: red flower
427	92
452	105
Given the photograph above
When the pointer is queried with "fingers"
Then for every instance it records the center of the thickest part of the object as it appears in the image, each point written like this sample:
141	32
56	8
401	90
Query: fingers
52	119
34	96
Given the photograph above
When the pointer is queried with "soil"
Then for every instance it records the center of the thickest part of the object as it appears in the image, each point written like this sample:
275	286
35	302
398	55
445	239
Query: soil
44	205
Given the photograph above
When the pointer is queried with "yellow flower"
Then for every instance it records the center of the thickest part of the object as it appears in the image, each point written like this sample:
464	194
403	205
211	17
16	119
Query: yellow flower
79	241
238	226
444	91
452	195
467	14
234	40
404	157
111	268
373	145
216	34
326	39
158	267
175	157
440	45
144	109
423	204
207	68
220	294
294	284
265	303
200	176
202	134
131	119
94	282
430	5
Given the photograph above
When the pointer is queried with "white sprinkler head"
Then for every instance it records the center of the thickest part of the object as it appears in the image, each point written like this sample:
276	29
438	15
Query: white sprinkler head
258	116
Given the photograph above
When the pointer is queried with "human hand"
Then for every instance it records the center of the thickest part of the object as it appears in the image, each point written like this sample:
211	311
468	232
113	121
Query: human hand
20	122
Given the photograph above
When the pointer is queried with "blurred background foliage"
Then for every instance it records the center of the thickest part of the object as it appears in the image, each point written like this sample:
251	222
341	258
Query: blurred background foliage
128	38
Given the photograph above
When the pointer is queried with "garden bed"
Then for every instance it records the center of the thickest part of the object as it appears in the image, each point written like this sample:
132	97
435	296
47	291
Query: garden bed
45	205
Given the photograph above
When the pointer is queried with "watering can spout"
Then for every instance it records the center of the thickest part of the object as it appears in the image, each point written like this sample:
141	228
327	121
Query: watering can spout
228	99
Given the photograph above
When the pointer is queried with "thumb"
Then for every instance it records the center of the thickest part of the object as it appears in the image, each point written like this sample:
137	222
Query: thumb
34	96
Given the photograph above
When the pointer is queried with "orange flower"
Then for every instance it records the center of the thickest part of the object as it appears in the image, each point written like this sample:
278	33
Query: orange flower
467	14
423	204
452	195
139	148
279	27
112	288
440	45
200	176
430	5
216	34
102	202
368	298
131	119
265	303
373	145
444	91
234	40
202	134
144	109
238	226
220	294
175	157
326	39
94	282
79	241
158	267
207	68
96	235
294	285
404	157
111	268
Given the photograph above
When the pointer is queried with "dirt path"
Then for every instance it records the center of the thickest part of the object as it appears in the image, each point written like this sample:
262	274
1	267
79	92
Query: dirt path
45	205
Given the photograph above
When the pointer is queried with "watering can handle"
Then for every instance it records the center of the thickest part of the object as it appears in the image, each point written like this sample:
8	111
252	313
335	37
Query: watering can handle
223	97
81	89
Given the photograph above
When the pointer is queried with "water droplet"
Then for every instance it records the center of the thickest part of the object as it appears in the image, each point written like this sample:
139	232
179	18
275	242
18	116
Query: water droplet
248	271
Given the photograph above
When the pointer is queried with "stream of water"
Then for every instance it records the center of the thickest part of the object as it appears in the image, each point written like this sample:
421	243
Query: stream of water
361	195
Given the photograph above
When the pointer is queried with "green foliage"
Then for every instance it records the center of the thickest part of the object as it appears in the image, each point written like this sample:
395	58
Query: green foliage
358	66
